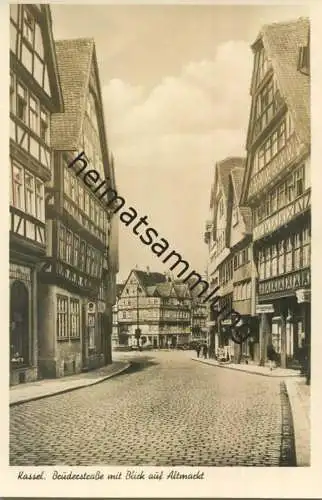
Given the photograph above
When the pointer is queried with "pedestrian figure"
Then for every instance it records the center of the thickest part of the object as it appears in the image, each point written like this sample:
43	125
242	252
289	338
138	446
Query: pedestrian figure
198	347
205	351
271	356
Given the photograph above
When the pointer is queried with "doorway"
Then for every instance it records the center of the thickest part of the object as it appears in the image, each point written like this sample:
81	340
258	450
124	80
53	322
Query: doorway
19	322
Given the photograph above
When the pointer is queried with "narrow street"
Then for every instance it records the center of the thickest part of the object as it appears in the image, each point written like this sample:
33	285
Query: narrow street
166	410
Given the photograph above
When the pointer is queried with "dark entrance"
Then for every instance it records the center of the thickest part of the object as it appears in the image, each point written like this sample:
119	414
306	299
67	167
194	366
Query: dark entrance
19	322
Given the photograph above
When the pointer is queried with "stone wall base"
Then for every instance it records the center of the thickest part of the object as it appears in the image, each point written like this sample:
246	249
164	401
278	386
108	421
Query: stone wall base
23	375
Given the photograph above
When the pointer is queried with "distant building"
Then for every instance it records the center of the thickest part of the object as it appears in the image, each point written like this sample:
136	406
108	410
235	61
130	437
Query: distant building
77	285
35	94
277	186
159	308
116	339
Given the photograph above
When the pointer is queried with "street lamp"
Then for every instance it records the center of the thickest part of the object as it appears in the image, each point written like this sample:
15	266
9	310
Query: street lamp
137	330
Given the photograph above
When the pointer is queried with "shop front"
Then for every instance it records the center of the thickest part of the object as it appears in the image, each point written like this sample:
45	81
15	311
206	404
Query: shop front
23	324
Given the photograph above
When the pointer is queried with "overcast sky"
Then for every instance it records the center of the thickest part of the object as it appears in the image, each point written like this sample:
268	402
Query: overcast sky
175	83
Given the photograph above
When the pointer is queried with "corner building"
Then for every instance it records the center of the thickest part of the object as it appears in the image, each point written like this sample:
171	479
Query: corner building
277	187
78	281
35	94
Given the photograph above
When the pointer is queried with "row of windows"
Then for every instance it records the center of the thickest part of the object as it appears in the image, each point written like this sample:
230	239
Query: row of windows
142	301
27	192
25	106
241	258
273	144
226	270
87	203
27	43
79	253
68	317
268	103
287	255
286	192
242	291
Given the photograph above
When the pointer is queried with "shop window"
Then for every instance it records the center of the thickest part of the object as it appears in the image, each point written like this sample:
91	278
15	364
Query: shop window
62	316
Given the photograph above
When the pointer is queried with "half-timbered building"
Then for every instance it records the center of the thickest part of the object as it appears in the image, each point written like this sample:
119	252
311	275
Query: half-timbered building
156	306
35	94
78	282
277	186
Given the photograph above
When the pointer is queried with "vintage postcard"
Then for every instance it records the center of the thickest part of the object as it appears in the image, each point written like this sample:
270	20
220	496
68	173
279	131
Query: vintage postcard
159	249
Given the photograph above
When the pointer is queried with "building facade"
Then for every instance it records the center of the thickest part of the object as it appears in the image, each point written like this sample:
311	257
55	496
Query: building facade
228	235
76	287
158	307
277	187
35	94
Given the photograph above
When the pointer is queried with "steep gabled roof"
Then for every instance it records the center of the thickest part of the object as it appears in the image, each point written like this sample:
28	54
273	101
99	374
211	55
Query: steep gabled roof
224	167
74	59
282	42
182	290
237	177
150	290
165	289
149	279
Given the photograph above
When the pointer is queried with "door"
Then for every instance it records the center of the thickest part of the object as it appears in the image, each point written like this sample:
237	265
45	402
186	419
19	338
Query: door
19	322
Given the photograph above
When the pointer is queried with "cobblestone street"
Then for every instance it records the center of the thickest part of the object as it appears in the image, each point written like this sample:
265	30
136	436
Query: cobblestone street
167	410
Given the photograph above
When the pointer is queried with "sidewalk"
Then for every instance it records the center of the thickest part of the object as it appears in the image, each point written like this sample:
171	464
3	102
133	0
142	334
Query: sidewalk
255	369
48	387
299	396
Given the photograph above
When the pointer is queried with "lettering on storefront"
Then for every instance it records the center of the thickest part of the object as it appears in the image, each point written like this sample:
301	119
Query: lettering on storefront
291	151
283	283
283	216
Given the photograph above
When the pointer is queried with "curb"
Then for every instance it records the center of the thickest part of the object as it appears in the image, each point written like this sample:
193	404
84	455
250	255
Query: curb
70	389
243	371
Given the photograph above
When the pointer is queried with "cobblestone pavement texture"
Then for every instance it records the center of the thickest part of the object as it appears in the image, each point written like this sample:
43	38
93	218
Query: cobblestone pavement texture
166	411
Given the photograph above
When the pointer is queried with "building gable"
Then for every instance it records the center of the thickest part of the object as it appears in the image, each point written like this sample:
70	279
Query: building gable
31	43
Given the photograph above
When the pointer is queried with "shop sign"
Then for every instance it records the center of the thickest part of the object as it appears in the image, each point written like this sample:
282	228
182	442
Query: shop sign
264	308
291	281
283	216
303	295
289	153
